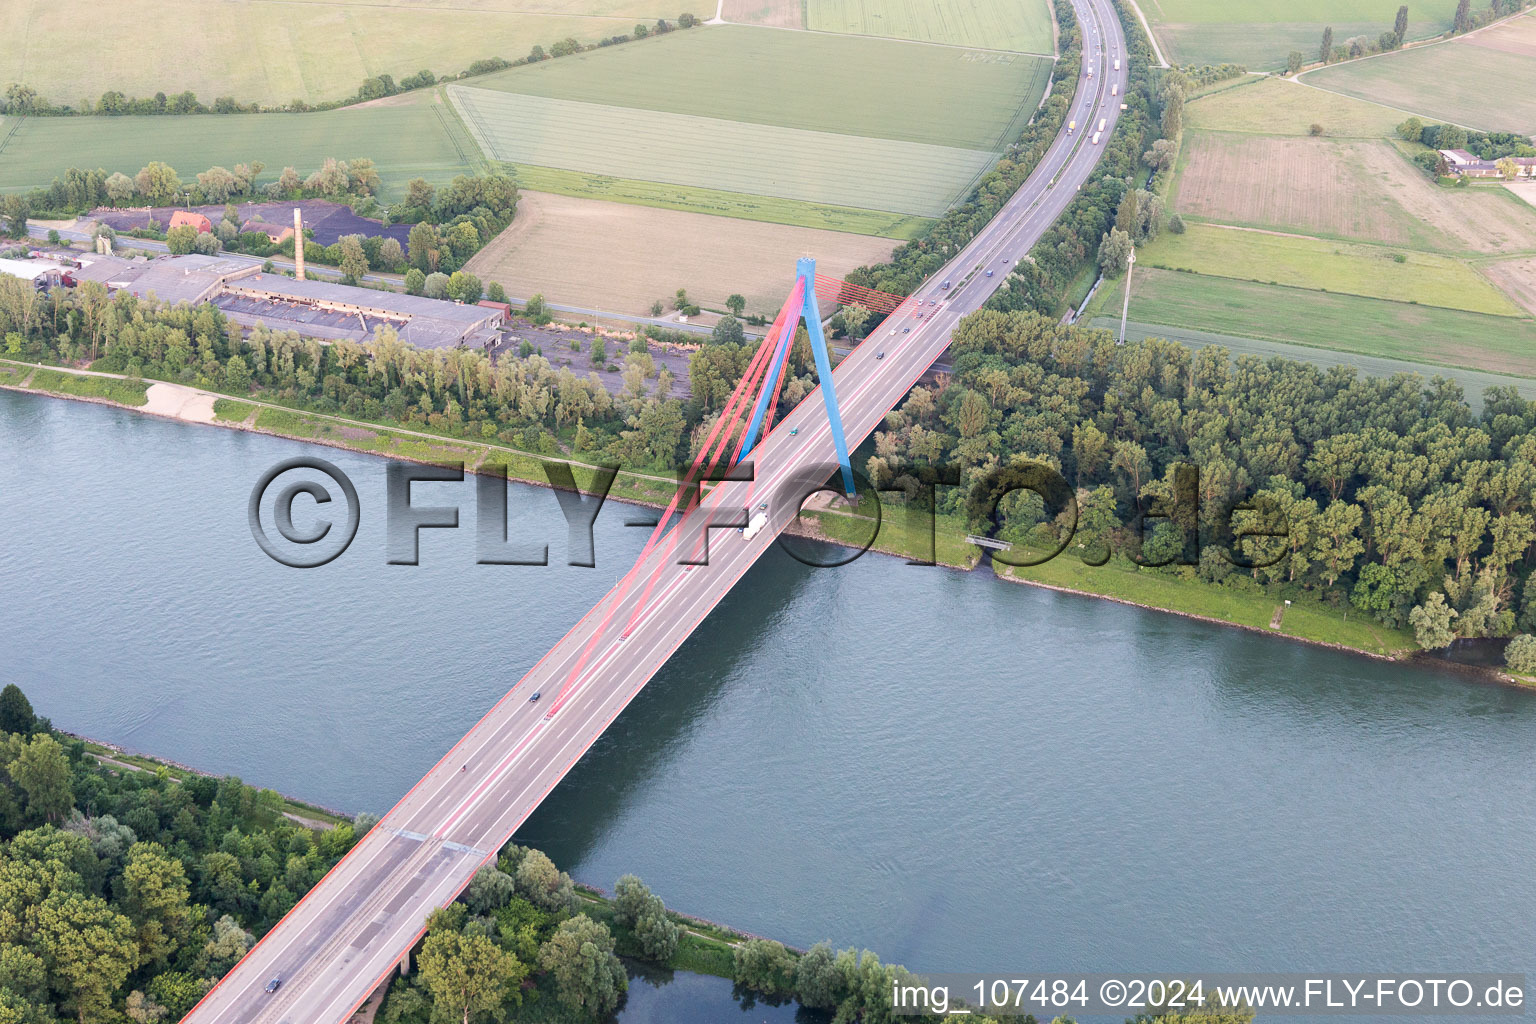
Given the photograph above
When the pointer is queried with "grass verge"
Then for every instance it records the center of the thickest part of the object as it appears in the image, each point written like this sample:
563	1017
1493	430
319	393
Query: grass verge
113	389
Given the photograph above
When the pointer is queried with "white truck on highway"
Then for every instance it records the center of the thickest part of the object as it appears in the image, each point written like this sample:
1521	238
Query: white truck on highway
755	526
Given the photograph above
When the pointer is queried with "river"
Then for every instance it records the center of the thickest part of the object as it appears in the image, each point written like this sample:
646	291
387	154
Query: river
958	773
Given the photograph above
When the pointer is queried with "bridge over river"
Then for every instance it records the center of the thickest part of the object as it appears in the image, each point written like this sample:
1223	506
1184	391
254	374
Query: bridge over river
353	928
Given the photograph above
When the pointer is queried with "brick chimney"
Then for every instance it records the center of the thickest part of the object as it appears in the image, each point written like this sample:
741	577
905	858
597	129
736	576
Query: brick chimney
298	244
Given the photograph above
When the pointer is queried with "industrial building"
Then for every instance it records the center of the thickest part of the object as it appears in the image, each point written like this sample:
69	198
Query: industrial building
315	309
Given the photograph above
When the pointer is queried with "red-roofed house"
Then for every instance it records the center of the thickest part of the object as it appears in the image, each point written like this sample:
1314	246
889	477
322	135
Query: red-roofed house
191	219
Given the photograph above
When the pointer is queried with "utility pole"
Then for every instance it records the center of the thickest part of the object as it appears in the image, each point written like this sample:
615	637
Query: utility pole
1125	307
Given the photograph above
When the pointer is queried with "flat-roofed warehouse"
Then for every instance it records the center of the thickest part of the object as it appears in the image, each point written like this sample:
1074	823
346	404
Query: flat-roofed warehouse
315	309
321	309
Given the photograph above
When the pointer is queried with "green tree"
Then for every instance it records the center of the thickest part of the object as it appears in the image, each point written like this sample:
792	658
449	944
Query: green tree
1411	130
1463	20
765	966
1400	29
1115	252
464	287
16	713
354	261
468	975
181	239
728	331
1295	62
489	889
736	303
153	892
544	885
588	976
157	182
658	933
415	281
1520	655
42	772
1325	51
818	982
89	950
495	292
629	899
1432	623
422	248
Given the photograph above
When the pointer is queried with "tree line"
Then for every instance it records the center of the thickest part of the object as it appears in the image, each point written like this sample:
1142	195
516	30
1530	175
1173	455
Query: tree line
23	100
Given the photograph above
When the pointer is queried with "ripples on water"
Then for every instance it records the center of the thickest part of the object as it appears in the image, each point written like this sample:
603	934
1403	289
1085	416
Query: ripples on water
955	772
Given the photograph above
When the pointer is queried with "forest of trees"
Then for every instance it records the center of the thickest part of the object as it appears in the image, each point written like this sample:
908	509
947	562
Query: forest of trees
125	894
1394	498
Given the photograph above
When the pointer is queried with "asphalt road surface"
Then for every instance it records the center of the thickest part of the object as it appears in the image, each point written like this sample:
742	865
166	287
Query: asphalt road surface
352	929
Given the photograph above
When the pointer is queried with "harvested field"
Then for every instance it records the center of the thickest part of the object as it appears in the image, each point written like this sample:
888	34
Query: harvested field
1277	106
770	13
1297	184
1360	190
1523	190
1473	80
620	257
1516	277
270	51
732	156
1022	25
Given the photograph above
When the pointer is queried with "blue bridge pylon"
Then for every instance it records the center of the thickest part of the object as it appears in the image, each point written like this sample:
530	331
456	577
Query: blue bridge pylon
805	285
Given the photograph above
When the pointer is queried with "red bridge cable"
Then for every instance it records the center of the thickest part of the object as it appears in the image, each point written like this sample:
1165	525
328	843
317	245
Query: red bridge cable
754	370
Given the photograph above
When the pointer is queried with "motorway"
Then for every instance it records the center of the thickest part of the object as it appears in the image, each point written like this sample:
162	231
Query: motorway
349	932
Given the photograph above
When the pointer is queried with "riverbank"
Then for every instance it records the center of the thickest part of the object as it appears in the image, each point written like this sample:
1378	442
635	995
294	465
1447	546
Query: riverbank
1293	615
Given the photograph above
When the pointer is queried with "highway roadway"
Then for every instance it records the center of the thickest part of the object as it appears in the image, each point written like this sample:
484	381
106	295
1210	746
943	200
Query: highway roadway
348	933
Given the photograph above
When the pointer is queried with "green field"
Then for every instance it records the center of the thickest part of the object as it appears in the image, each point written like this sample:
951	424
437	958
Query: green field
685	122
272	52
404	141
879	88
1260	33
692	199
1274	106
1367	270
729	156
1470	80
996	24
1473	382
1344	323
